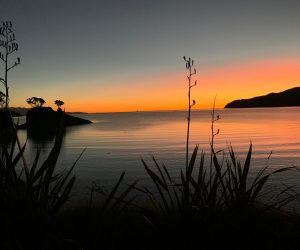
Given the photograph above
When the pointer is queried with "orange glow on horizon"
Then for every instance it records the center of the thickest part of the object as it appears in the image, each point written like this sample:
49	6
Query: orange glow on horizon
169	91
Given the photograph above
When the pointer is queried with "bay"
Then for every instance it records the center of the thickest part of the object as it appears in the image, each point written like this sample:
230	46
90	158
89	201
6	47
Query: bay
115	142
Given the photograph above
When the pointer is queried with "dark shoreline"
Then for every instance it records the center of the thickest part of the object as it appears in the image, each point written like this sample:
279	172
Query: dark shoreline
287	98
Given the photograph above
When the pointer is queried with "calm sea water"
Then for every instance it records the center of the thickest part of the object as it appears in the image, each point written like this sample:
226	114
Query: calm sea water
117	142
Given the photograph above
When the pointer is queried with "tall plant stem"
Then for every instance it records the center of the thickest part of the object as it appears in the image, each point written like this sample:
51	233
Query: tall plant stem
189	120
213	134
189	65
6	68
212	137
9	39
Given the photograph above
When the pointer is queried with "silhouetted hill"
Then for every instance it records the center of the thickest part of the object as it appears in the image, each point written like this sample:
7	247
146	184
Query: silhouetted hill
287	98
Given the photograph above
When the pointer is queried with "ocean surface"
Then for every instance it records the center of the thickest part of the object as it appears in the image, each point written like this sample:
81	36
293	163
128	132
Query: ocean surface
115	142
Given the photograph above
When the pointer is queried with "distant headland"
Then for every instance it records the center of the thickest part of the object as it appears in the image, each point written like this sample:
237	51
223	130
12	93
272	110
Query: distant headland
287	98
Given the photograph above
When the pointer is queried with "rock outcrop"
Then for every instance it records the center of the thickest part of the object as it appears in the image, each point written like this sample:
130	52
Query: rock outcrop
45	121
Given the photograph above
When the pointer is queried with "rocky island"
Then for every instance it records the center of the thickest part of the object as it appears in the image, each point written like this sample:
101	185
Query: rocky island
45	121
287	98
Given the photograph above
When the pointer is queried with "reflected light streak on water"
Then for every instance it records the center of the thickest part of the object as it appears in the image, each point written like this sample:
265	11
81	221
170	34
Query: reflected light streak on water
117	141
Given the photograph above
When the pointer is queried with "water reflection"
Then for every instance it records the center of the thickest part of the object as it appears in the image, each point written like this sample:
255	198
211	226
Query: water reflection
127	121
117	141
40	136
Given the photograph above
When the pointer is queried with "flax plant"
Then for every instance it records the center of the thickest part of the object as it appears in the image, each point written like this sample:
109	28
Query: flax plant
31	196
189	63
238	193
214	119
221	185
114	201
9	45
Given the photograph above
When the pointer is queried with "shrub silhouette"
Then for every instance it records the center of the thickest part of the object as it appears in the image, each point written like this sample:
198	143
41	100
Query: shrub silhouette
31	196
58	103
35	102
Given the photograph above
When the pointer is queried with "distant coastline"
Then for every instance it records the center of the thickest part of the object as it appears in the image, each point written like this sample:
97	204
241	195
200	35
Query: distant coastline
21	111
24	110
287	98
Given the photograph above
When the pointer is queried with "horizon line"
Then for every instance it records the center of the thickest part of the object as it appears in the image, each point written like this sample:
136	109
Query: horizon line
162	110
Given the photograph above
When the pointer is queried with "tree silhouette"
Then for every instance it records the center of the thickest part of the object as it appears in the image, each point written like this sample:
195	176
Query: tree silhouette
35	102
32	101
41	102
8	45
59	103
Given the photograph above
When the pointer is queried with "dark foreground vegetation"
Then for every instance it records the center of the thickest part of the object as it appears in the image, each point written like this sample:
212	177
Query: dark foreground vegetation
207	228
212	207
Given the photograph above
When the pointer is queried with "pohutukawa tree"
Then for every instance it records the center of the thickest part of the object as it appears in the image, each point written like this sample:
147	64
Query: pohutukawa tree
8	46
35	102
58	103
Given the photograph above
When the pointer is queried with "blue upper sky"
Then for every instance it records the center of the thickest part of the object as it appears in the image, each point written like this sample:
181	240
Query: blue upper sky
70	42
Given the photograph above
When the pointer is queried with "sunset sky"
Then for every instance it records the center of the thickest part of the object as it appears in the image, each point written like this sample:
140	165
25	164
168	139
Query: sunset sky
117	55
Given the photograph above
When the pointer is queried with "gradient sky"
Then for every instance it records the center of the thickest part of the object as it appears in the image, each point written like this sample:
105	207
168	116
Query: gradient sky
119	55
